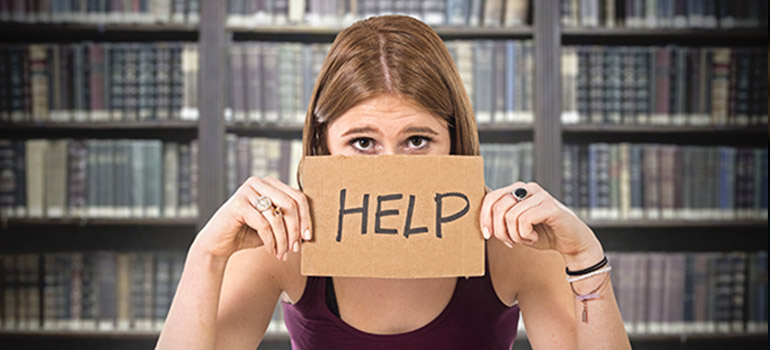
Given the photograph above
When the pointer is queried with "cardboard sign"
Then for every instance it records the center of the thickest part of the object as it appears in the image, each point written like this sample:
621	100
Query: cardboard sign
394	216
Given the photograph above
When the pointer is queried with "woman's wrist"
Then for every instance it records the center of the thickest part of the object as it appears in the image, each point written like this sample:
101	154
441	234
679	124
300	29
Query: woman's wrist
584	258
201	255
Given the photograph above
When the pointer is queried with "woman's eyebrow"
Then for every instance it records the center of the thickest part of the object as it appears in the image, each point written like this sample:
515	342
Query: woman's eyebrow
359	130
416	129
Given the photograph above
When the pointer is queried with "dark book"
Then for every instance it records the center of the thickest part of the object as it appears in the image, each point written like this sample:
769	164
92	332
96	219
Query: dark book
105	274
177	81
657	292
8	180
99	90
596	83
582	82
738	293
163	83
613	85
131	81
146	91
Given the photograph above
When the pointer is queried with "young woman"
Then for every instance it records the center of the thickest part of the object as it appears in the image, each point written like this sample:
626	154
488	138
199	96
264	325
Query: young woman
389	86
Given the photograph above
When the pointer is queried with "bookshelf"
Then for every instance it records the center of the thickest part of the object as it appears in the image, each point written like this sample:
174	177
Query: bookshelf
214	37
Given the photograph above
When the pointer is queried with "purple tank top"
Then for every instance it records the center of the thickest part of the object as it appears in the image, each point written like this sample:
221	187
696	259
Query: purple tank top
474	319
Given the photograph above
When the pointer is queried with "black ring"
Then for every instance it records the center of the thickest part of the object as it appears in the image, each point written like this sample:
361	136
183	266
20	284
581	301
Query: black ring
590	269
519	193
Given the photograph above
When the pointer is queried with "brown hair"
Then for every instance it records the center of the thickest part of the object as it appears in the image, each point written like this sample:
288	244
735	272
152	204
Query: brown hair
390	55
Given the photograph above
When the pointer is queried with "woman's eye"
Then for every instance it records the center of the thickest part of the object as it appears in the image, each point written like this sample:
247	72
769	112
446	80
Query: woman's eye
418	141
362	143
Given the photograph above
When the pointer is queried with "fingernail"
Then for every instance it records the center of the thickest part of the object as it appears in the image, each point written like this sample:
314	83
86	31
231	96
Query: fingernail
306	234
296	247
285	256
485	232
508	244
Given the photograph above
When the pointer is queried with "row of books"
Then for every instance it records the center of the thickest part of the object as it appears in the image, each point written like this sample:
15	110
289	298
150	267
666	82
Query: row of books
505	164
664	13
658	181
94	290
100	11
669	85
98	178
261	157
675	293
96	82
334	13
658	293
271	83
499	78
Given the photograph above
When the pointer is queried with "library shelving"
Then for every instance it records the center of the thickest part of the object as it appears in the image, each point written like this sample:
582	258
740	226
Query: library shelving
215	36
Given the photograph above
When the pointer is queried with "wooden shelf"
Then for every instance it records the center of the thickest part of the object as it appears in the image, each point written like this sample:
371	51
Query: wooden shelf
655	129
72	221
75	32
308	33
75	234
262	130
682	135
664	36
181	130
675	223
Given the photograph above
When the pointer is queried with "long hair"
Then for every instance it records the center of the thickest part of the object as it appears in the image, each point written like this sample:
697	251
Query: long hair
396	55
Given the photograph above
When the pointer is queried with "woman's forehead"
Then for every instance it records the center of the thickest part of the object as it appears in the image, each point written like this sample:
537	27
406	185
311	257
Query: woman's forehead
386	112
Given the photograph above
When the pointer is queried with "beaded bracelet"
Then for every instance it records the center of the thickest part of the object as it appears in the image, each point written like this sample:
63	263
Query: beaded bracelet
584	298
590	274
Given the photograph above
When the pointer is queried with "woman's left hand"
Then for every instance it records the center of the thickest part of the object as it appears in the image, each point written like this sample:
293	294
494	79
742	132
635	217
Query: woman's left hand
538	221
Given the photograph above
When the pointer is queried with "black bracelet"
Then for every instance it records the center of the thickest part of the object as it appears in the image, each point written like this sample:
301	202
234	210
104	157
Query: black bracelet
593	268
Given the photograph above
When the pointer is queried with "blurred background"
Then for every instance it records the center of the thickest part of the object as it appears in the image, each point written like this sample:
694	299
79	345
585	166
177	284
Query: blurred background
647	117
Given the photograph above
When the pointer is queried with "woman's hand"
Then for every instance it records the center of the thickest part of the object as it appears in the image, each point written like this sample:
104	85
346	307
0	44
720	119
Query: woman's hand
237	224
539	221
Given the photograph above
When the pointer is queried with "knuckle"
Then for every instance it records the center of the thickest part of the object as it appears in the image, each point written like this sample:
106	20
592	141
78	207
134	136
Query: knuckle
252	180
499	208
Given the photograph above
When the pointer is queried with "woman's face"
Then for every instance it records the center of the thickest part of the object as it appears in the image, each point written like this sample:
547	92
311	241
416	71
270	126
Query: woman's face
388	125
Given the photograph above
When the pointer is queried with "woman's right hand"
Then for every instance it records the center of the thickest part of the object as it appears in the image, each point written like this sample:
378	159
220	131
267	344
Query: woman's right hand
237	224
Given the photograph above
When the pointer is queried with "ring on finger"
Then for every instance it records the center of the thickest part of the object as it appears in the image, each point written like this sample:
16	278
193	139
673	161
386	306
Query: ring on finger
519	193
264	204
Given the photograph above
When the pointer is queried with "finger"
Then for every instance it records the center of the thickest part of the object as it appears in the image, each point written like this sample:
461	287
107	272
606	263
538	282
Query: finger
289	221
279	232
499	209
489	200
534	216
300	199
253	219
513	217
291	216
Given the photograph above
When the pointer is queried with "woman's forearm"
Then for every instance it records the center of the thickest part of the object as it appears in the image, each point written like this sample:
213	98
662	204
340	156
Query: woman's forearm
604	328
191	320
